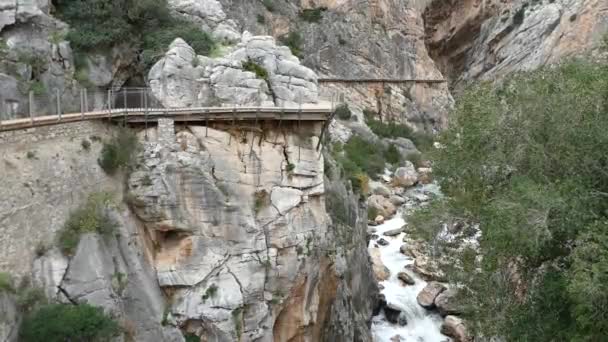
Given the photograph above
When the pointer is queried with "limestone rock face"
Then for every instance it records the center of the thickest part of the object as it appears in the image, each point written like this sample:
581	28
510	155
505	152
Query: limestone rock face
10	318
182	79
238	232
210	15
486	39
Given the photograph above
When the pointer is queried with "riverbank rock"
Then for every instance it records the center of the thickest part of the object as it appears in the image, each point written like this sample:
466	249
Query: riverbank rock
426	297
378	188
406	278
379	220
427	269
405	176
447	304
411	250
454	327
397	200
381	272
394	232
382	205
383	242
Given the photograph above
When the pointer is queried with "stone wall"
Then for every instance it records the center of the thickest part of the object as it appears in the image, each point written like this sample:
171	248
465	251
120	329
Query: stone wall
45	173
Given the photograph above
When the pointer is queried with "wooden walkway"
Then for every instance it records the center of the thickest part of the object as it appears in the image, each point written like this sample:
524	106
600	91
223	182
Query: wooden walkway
379	80
307	112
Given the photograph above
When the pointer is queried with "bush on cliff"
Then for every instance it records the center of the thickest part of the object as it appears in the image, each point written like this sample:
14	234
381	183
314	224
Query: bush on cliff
118	152
93	217
143	24
66	322
527	161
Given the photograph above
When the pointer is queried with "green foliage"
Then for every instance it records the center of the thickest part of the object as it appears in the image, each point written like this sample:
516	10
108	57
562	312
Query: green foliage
261	198
119	152
156	42
269	4
312	15
526	160
343	112
519	16
261	19
210	292
293	40
372	213
192	338
98	24
237	318
290	167
93	216
6	282
259	71
64	322
30	155
37	62
392	155
29	298
365	156
37	88
86	145
119	282
423	141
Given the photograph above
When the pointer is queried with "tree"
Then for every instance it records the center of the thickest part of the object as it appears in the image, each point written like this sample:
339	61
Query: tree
65	322
526	160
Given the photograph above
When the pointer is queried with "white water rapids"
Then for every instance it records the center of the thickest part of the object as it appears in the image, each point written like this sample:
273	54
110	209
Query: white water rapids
422	325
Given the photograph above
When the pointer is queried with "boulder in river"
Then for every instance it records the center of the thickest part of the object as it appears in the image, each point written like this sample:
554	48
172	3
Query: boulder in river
454	327
392	313
406	278
380	304
381	272
426	297
379	220
383	242
447	304
406	176
394	232
382	205
402	320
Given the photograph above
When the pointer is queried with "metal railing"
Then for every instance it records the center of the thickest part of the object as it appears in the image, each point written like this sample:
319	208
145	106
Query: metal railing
86	104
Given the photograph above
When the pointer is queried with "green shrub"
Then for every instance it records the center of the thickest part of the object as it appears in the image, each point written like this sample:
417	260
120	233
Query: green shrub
372	213
343	112
293	40
156	42
65	322
192	338
392	155
37	88
29	298
261	19
259	71
86	145
119	152
519	16
93	216
30	155
6	282
423	141
210	292
312	15
261	198
269	4
368	157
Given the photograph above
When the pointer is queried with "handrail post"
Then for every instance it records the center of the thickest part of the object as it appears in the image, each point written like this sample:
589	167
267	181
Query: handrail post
86	100
31	106
81	104
145	98
58	98
109	103
206	113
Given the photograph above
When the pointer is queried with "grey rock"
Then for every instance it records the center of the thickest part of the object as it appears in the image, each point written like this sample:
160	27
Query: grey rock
406	278
447	304
426	297
454	327
378	188
392	313
48	272
397	200
383	242
394	232
10	318
406	176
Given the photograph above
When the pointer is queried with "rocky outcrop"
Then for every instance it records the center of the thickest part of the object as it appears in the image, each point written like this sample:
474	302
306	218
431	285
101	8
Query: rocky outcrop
447	303
454	327
9	317
405	176
256	72
487	39
210	15
426	297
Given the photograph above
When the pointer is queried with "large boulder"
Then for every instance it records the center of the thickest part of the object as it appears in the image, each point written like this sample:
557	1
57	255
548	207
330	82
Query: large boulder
426	297
382	205
256	72
210	15
406	176
381	272
447	303
454	327
406	278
